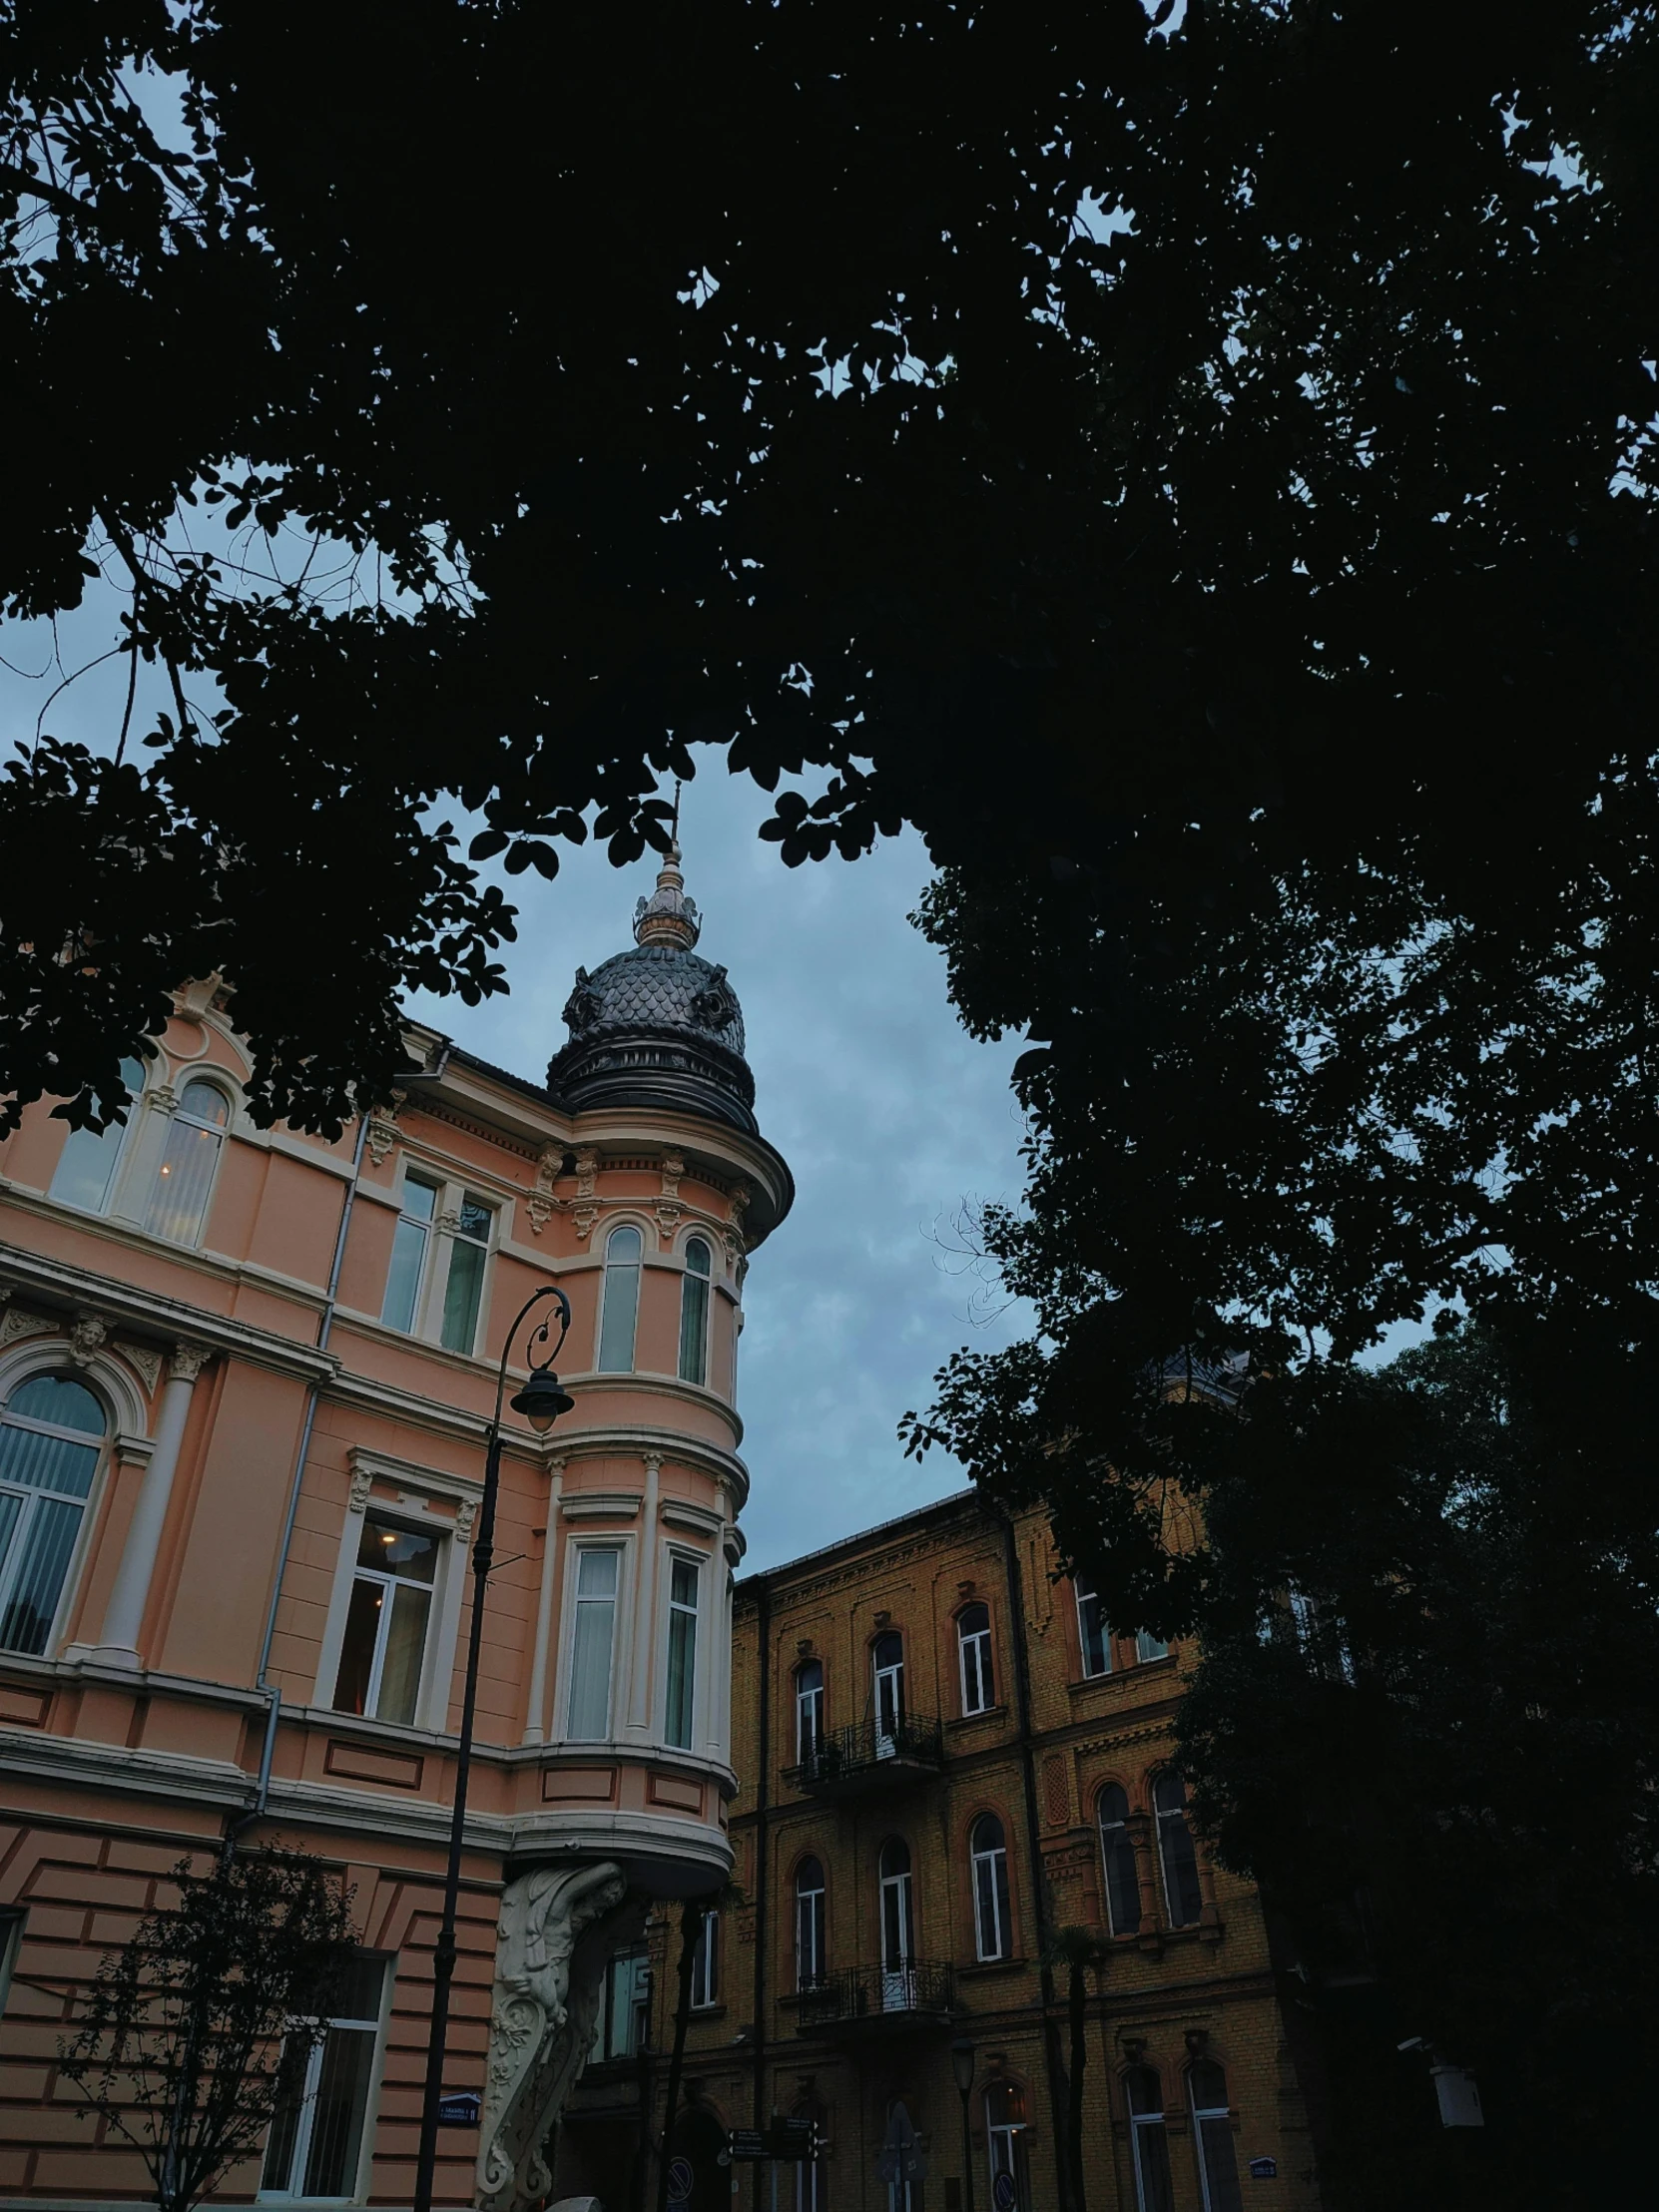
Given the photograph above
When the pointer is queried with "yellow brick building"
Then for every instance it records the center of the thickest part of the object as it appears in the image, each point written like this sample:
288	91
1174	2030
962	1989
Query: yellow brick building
948	1756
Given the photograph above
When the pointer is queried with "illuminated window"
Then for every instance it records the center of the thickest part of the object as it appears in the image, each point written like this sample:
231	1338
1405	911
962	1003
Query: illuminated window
974	1654
185	1179
86	1172
51	1434
386	1623
619	1300
694	1311
1005	2127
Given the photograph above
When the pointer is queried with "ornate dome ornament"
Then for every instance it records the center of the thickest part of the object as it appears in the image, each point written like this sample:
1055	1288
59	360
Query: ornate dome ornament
657	1025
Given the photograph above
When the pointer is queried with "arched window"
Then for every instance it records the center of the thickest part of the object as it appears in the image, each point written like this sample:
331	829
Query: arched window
809	1967
85	1174
808	1709
621	1300
988	1859
1093	1636
1145	2096
51	1433
973	1652
1148	1647
888	1658
898	1927
1005	2126
694	1311
185	1179
1123	1883
1218	2166
1182	1898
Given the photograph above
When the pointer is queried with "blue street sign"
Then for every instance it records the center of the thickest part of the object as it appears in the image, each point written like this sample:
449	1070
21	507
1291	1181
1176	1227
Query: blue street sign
459	2108
1264	2169
1002	2193
680	2182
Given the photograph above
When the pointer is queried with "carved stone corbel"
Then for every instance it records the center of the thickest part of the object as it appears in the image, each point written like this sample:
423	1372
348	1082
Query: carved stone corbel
558	1928
361	1484
585	1208
541	1201
87	1333
382	1134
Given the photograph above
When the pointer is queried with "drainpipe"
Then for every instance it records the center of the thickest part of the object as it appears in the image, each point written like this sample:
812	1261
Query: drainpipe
762	1877
1057	2101
261	1794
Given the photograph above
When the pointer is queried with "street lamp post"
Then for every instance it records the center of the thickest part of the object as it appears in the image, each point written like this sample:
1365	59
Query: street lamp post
541	1402
962	2056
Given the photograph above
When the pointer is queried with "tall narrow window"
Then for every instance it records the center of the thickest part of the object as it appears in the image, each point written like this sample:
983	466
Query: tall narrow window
85	1174
51	1433
409	1247
1218	2165
974	1653
468	1251
386	1623
705	1989
1004	2125
591	1642
1183	1898
185	1179
1148	2141
315	2145
624	2022
809	1966
888	1658
684	1582
619	1300
1148	1646
808	1709
1123	1883
694	1311
989	1859
1093	1634
897	1929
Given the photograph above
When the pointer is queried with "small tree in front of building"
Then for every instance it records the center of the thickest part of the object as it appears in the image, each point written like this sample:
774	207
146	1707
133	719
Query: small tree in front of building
199	2031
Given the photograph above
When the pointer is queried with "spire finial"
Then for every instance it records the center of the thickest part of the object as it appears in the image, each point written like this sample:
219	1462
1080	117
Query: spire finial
668	917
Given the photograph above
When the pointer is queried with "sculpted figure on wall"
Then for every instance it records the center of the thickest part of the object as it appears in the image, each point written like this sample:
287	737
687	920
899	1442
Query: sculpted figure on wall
558	1926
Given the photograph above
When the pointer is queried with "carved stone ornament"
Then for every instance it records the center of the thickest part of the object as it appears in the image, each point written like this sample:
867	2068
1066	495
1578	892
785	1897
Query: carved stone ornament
465	1512
541	1201
87	1333
673	1166
557	1930
382	1134
363	1482
733	1235
667	1220
144	1361
585	1211
161	1099
186	1361
16	1324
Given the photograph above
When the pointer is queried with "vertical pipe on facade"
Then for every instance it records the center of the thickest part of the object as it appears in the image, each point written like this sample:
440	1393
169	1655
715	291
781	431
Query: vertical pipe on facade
762	1878
1033	1844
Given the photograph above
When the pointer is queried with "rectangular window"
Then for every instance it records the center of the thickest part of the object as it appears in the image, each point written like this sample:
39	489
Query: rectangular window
1092	1631
468	1251
624	2022
386	1623
592	1644
315	2145
1148	1646
85	1174
408	1254
705	1989
684	1583
11	1936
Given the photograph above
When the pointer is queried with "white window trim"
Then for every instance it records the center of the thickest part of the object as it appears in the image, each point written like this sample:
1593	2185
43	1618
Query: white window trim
709	1280
125	1153
122	1443
963	1639
709	1998
450	1192
372	2103
411	1508
1003	1937
133	1182
647	1259
702	1639
820	1695
622	1644
1083	1591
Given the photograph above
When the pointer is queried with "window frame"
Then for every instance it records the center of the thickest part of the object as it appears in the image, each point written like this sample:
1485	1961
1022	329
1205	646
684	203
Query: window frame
608	1268
981	1671
705	1279
1084	1594
1006	2132
484	1245
576	1551
424	1180
1165	1819
218	1082
815	1698
1120	1828
375	1512
1140	2125
705	1989
1228	2198
123	1151
812	1907
892	1672
14	1920
635	1958
300	2156
678	1611
1149	1649
988	1881
419	1492
32	1497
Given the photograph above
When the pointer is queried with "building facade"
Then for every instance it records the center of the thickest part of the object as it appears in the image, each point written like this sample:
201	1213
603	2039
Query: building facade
246	1381
951	1765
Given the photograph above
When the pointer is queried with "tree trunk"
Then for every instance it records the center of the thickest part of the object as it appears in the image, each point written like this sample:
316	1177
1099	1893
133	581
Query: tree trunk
691	1925
1077	1995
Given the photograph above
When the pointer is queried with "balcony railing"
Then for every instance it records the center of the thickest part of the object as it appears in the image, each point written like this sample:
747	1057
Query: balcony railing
867	1755
876	1998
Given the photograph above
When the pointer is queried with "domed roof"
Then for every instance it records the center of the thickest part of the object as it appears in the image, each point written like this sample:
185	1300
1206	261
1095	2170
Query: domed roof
658	1025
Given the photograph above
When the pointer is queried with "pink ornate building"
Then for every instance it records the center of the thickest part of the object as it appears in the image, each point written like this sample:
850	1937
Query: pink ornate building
244	1380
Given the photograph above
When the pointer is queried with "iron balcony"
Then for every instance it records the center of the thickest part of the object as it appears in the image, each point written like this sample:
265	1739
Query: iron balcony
876	2000
848	1761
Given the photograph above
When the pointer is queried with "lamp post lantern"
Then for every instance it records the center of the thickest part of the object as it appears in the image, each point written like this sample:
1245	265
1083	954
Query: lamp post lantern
962	2055
541	1402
